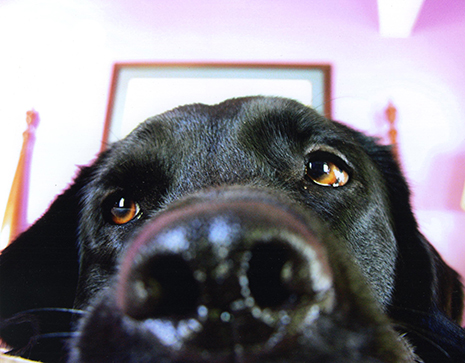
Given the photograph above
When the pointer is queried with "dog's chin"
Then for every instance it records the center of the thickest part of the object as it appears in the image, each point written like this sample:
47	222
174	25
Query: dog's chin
236	276
108	335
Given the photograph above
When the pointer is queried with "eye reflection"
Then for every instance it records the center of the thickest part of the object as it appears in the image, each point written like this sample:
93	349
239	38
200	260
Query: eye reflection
123	211
326	173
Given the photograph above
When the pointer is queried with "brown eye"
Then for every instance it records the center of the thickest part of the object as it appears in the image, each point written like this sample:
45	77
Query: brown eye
123	211
326	173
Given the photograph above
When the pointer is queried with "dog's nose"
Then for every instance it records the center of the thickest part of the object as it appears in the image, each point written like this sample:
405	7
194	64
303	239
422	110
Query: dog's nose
223	277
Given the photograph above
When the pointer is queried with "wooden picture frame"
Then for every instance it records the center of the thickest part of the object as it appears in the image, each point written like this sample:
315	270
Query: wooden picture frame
142	90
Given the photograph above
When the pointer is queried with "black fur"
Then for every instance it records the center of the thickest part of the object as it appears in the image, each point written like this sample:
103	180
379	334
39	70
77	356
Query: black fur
259	147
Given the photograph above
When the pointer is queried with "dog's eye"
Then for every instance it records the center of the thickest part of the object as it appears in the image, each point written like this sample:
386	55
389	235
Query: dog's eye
123	211
326	173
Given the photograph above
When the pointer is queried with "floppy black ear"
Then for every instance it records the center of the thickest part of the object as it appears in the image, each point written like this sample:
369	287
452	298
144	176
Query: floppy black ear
40	268
38	278
428	300
424	280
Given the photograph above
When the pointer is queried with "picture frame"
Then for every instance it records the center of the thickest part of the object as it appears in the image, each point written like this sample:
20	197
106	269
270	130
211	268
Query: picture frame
141	90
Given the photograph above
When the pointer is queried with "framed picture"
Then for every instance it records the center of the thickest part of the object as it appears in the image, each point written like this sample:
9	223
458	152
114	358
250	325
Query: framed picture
141	90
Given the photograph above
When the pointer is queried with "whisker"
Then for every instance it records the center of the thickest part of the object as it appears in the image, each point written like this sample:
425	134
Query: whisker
57	335
408	328
39	324
58	310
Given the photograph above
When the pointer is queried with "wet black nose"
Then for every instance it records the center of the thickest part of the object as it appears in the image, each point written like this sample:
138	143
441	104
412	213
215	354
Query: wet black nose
222	277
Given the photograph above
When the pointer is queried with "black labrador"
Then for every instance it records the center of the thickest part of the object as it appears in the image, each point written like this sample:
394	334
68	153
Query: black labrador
254	230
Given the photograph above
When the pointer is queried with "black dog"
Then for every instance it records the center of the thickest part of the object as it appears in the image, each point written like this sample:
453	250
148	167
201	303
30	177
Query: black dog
250	231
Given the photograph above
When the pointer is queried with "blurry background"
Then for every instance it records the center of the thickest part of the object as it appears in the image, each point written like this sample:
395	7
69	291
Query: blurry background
56	56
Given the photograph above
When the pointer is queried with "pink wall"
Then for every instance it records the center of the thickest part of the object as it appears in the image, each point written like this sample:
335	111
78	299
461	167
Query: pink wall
57	57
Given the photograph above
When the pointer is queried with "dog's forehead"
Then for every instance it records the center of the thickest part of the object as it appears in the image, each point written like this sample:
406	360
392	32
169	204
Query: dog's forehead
238	139
251	120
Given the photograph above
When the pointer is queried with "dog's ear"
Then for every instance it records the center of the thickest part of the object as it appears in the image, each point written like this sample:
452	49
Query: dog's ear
427	303
40	268
424	280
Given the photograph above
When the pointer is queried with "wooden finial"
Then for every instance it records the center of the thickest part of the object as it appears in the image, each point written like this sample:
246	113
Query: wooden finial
15	218
391	116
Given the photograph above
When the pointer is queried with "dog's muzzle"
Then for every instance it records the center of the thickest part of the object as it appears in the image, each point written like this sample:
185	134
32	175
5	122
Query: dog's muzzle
225	276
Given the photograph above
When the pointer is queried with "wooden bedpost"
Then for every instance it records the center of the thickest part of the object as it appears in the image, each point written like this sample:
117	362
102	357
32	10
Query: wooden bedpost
15	219
391	116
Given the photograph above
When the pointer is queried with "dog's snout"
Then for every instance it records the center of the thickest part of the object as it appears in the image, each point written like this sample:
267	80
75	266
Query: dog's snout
225	277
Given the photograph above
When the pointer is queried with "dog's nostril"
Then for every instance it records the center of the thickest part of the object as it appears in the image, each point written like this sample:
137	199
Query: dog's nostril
277	274
164	286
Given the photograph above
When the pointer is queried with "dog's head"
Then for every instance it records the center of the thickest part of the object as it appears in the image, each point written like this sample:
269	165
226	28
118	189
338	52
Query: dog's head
253	230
